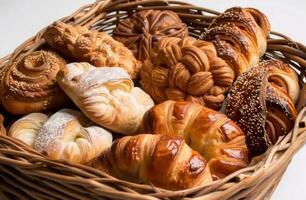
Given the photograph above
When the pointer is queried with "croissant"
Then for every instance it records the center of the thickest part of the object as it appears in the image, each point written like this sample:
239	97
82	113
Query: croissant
106	95
29	84
239	35
217	138
262	109
63	136
142	30
186	69
162	160
97	48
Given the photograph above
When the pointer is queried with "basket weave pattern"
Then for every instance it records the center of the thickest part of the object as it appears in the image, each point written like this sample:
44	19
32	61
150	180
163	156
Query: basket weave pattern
26	174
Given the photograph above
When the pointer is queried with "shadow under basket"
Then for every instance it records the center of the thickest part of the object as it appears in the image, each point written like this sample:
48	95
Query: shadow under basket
26	174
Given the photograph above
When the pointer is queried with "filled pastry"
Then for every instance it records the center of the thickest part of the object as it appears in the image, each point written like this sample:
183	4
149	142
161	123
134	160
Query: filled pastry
107	96
66	135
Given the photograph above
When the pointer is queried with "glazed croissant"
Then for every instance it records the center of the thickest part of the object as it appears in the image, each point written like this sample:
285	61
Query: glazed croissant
263	109
97	48
66	135
29	84
217	138
240	37
106	95
186	69
141	31
162	160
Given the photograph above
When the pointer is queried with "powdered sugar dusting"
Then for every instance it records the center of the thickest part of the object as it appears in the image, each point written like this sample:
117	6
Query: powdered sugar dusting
89	75
54	127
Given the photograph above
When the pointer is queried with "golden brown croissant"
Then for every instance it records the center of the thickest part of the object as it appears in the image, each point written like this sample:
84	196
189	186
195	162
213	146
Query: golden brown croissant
29	84
186	69
239	35
97	48
263	110
106	95
142	30
162	160
66	135
211	133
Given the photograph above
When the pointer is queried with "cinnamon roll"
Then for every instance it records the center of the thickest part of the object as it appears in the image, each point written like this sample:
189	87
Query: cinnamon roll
29	84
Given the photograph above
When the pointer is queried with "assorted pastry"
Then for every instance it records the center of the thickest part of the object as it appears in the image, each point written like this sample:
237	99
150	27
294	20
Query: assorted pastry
182	111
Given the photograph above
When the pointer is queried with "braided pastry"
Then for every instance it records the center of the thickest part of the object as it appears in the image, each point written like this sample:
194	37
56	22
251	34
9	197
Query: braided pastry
239	35
142	30
211	133
97	48
162	160
263	110
29	84
186	69
106	95
62	136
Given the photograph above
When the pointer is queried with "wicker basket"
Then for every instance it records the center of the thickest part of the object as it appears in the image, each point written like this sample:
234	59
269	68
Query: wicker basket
26	174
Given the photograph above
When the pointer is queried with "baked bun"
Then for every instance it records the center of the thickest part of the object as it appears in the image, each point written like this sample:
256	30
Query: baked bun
98	48
165	161
107	96
66	135
217	138
186	69
262	109
240	37
29	84
142	30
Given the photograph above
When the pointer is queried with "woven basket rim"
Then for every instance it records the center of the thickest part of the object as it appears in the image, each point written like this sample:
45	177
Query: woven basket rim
101	15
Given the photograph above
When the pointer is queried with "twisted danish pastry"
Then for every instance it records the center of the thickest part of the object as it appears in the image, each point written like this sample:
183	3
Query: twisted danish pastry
186	69
240	37
97	48
262	109
62	136
142	30
29	85
106	95
162	160
217	138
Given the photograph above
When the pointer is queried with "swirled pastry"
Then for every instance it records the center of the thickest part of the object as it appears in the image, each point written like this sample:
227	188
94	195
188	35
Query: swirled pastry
142	30
29	84
239	35
106	95
186	69
97	48
217	138
66	135
162	160
263	110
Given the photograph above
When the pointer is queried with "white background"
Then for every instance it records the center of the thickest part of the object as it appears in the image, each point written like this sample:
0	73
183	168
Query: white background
21	19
